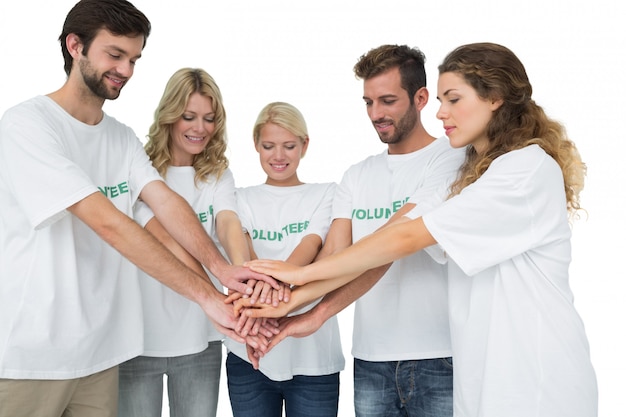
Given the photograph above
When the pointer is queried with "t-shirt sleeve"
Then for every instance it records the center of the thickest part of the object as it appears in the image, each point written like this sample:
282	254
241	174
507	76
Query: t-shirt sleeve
43	180
342	200
441	172
225	193
510	209
244	209
142	172
320	219
142	213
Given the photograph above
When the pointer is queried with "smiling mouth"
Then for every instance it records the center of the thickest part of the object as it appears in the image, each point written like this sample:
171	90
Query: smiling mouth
195	138
118	81
383	125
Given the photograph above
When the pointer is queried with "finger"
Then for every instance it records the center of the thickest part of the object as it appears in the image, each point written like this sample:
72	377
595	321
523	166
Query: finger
258	290
272	323
276	297
287	293
248	328
241	322
266	294
266	311
276	340
240	287
252	356
229	333
232	297
256	326
265	278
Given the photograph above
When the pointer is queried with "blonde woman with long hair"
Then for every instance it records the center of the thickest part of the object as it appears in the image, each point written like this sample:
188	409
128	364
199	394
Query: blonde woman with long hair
187	144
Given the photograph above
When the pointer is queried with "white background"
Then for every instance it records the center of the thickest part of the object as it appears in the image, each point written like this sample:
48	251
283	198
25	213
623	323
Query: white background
303	53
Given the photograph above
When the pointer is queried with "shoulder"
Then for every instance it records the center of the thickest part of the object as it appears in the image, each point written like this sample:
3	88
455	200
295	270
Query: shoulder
526	170
529	158
366	164
38	106
322	187
441	148
111	123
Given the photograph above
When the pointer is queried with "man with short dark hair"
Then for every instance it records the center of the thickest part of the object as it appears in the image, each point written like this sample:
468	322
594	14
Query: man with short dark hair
70	306
401	339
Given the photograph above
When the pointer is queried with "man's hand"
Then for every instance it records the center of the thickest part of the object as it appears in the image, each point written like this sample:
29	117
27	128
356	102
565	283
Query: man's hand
302	325
221	315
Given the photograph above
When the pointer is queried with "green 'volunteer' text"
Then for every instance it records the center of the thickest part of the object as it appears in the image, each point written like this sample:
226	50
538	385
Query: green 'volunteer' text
270	235
378	213
114	191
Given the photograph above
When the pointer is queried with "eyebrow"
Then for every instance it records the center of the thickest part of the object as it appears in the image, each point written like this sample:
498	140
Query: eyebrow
384	96
446	93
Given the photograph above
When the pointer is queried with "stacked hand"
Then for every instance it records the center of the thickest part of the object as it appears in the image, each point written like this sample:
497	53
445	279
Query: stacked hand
258	331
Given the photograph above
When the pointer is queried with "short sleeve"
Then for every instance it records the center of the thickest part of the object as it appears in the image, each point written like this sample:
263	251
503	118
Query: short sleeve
36	168
225	193
320	219
514	206
342	201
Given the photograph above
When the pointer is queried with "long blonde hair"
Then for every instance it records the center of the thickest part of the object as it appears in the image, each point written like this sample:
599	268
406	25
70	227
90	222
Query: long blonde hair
185	82
497	74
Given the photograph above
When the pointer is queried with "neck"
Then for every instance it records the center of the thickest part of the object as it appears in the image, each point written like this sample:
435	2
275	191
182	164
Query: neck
292	182
80	104
416	140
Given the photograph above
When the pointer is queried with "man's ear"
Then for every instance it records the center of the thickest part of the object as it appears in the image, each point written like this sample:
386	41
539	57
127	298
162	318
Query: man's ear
74	45
420	98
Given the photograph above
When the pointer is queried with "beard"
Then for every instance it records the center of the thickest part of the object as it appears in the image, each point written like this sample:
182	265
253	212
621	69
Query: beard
95	82
405	125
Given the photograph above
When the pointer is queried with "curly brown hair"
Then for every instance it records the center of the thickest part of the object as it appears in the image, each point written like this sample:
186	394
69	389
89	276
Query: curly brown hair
497	74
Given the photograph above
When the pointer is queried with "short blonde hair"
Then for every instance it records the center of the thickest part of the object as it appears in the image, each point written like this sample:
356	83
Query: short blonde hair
284	115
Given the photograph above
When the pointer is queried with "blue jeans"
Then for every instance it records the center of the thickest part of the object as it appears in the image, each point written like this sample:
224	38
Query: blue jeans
418	388
192	384
252	394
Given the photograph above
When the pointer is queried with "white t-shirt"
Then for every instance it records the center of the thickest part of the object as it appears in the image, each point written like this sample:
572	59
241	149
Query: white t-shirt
405	315
69	303
175	325
277	219
519	346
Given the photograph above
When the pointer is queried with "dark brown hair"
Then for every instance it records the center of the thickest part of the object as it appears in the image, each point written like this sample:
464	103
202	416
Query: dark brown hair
87	17
409	60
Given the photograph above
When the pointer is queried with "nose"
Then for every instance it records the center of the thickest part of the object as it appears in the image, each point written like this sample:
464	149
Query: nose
279	153
375	111
442	113
126	68
198	124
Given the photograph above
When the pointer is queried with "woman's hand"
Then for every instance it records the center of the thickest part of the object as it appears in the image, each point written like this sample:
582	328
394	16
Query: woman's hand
280	270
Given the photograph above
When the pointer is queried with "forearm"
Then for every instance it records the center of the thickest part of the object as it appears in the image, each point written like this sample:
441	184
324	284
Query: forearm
156	229
141	248
380	248
306	251
178	218
231	237
337	300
